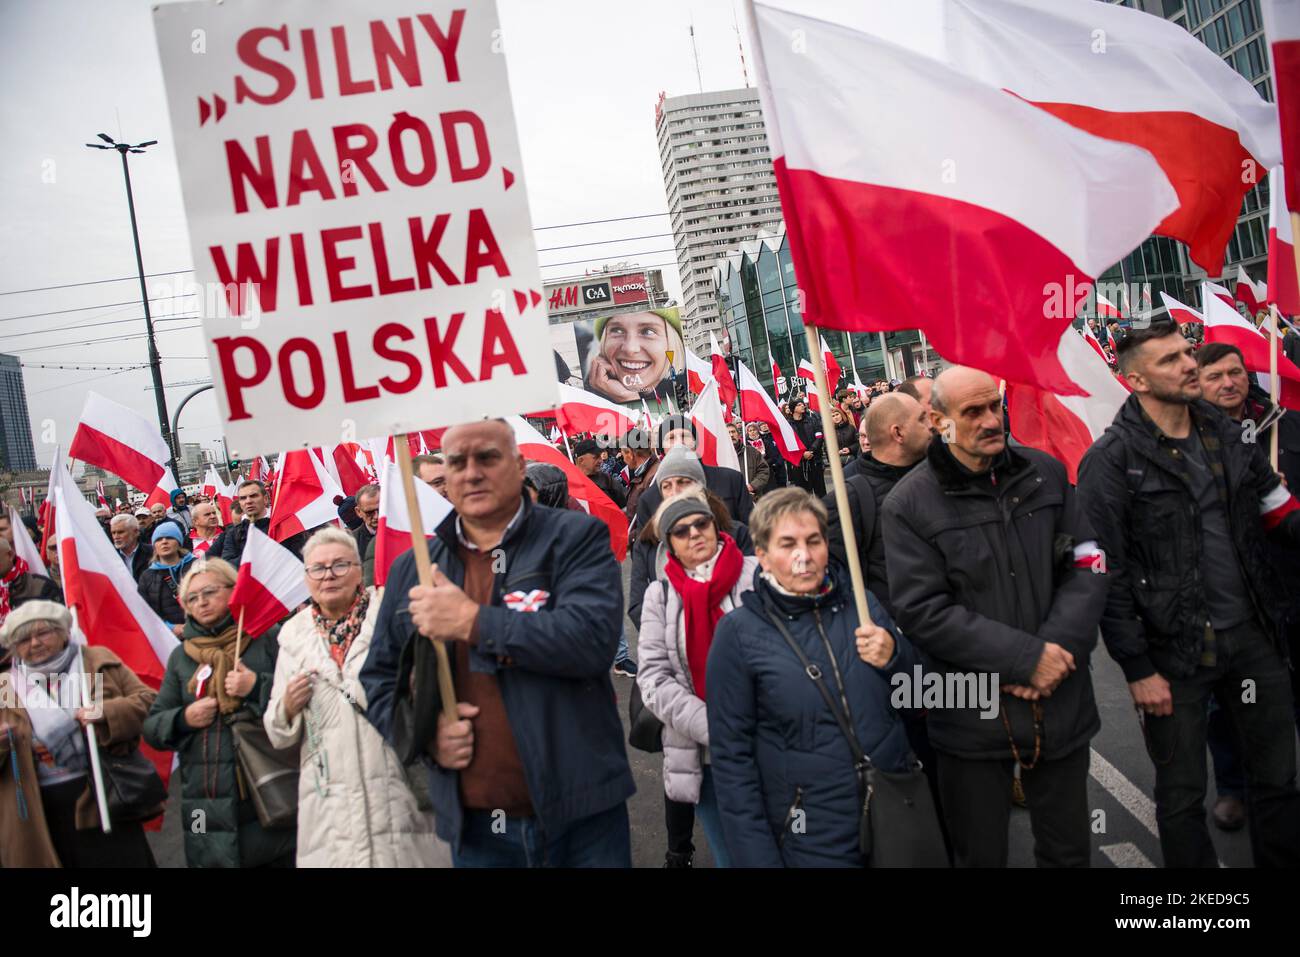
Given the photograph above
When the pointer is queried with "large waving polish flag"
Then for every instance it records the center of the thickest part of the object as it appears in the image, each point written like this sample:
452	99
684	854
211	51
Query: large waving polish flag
162	492
1130	77
698	372
304	497
534	447
712	443
1283	285
1223	323
110	611
121	441
393	535
1066	425
757	406
270	585
583	411
912	190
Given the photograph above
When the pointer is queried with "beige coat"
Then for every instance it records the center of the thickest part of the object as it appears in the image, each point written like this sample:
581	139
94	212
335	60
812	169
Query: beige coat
354	807
127	700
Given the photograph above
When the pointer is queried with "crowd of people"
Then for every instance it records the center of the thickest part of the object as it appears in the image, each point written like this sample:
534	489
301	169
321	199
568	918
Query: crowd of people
771	698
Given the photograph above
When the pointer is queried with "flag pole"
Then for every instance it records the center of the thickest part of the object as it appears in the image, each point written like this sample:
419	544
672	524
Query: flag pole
424	567
841	493
92	747
239	634
1273	390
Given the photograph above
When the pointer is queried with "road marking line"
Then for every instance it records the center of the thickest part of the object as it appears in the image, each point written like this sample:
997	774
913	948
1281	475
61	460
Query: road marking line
1126	855
1124	791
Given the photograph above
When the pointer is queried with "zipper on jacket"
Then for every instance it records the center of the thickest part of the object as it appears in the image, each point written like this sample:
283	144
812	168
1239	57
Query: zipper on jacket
789	815
835	667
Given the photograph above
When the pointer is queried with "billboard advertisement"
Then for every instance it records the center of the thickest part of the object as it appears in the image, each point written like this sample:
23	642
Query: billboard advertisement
624	357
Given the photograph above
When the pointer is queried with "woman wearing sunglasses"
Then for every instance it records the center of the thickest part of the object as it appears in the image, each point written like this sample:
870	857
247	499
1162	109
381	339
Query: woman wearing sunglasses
203	689
354	806
703	579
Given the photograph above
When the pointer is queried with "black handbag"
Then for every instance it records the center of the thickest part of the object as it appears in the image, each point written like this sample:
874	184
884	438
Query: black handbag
132	786
270	774
898	826
645	731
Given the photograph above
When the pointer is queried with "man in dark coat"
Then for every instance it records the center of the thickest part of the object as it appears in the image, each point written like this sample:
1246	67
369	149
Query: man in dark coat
992	571
1182	504
529	601
587	457
254	505
367	508
137	556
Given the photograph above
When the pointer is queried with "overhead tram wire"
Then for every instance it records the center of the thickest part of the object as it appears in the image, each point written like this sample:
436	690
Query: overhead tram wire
96	325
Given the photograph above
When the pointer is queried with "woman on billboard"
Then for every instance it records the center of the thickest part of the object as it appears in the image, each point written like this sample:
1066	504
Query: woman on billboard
629	358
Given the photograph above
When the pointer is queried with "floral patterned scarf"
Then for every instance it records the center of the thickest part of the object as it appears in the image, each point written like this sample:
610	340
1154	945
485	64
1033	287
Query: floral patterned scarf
339	634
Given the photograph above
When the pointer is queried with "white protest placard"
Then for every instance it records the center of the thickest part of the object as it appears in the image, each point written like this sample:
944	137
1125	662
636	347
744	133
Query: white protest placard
351	174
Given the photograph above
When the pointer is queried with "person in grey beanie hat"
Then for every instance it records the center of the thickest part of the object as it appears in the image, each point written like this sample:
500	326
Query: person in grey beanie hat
679	463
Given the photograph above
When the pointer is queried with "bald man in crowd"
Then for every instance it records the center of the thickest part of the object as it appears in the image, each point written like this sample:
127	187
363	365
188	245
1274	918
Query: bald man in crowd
996	577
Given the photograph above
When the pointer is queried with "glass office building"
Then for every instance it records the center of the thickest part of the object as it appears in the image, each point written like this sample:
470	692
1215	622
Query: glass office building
757	303
16	451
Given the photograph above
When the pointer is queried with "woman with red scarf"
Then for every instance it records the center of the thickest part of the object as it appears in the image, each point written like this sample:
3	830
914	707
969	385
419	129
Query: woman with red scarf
703	579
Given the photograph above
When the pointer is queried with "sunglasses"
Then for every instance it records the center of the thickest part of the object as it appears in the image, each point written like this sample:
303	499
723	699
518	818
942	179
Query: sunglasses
685	530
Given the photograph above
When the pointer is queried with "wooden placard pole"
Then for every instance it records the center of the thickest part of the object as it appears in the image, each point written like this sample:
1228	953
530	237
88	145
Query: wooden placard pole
841	493
424	568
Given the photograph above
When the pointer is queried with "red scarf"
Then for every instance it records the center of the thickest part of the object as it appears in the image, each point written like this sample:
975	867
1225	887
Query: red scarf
701	603
20	568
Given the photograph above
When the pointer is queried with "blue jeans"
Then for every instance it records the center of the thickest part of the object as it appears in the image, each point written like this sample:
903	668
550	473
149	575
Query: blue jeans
711	820
623	653
488	840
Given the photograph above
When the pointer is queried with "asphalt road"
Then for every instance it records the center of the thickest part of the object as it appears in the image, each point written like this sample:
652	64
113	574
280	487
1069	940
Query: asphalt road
1120	785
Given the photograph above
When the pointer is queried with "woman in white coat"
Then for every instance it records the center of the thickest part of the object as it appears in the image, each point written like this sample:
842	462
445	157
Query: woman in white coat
355	808
703	577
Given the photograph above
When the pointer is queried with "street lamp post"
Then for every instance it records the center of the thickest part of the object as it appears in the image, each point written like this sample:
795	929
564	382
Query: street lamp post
155	363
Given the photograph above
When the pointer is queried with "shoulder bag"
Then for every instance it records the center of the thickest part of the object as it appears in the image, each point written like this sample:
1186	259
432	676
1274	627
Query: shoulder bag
271	775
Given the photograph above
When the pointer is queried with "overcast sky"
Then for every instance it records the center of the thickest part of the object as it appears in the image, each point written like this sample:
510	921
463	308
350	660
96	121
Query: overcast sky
585	75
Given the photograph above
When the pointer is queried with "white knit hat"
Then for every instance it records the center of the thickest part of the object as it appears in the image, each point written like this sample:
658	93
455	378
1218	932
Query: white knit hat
50	611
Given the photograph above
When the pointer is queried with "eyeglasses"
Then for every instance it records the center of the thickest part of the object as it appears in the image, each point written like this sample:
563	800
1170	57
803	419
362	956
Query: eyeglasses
685	530
42	636
337	570
207	594
368	512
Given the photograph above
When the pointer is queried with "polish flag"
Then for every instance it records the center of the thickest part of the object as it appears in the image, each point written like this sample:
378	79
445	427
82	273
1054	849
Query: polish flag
806	371
304	497
221	494
1092	341
1220	293
341	462
776	377
24	547
712	443
882	236
1066	425
1283	286
162	492
1107	309
535	448
393	536
1252	294
45	514
1180	312
121	441
270	586
583	411
1223	323
757	406
101	495
1135	78
100	588
698	372
1282	28
722	374
833	372
556	435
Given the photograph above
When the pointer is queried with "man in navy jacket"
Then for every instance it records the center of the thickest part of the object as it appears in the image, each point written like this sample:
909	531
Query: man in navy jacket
530	603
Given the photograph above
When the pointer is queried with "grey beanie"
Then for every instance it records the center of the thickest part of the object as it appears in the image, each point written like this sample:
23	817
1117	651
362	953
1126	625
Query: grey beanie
678	507
680	462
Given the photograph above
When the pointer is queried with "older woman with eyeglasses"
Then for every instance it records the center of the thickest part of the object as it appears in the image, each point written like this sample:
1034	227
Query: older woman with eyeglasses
703	579
48	812
203	690
355	808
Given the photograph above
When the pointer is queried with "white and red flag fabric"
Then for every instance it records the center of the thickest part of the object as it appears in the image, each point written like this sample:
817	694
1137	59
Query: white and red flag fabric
776	379
1253	295
1283	285
1223	323
757	406
270	585
1091	339
1131	77
833	372
991	203
698	373
121	441
722	374
1282	30
96	582
221	494
712	443
162	492
393	536
24	547
304	496
582	411
101	494
1106	309
1180	312
45	514
807	373
597	504
1066	425
341	463
556	435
